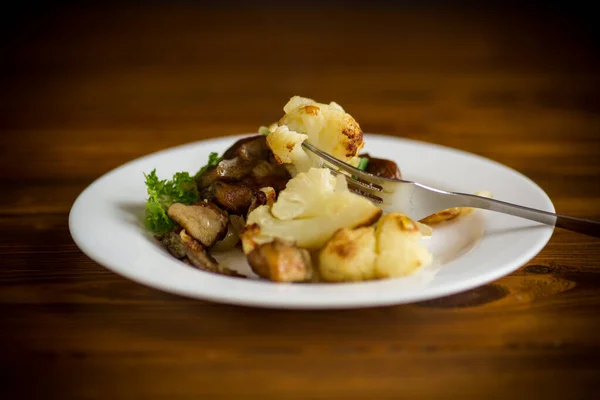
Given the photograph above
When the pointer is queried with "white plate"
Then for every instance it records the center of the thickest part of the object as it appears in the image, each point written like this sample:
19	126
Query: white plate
470	251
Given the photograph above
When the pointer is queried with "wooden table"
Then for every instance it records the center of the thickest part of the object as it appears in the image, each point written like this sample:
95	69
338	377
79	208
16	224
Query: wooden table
87	89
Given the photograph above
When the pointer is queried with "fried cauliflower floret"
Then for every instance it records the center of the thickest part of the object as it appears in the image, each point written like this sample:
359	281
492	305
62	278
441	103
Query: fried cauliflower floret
391	249
326	126
312	193
312	207
287	148
349	256
399	247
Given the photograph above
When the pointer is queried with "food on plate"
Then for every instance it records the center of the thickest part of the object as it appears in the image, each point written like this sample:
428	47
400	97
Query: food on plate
204	221
293	219
441	216
287	149
326	126
248	162
281	261
451	213
349	255
184	247
381	167
399	247
391	248
308	211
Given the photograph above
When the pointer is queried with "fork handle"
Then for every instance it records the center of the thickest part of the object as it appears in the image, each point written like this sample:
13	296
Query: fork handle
585	226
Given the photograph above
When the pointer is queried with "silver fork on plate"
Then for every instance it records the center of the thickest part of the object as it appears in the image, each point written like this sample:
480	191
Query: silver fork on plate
419	201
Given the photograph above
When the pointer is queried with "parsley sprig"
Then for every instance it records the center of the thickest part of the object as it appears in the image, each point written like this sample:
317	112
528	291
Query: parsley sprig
181	188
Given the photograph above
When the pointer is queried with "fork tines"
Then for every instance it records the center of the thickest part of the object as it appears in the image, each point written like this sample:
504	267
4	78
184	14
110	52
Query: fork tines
359	180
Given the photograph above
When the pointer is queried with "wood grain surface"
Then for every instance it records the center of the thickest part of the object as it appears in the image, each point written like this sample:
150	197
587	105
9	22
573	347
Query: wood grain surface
85	89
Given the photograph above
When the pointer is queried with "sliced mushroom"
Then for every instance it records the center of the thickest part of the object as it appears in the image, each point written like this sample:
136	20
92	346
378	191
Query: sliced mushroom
277	181
382	167
232	151
253	148
197	256
233	197
264	169
207	178
204	221
229	170
250	162
281	262
234	169
269	173
172	242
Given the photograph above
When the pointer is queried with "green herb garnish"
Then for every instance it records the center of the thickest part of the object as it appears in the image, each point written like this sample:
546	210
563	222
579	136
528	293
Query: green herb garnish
162	193
263	130
362	164
181	188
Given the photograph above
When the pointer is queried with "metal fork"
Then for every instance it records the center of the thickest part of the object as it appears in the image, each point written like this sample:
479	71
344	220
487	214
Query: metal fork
419	201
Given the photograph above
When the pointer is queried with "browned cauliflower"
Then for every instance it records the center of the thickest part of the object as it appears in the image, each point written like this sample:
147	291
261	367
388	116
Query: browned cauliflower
451	213
391	249
326	126
287	148
312	207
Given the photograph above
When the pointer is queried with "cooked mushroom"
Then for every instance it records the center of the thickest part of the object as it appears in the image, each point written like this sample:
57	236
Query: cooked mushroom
382	167
250	162
234	198
281	262
229	170
232	151
208	177
265	168
277	180
254	150
204	221
249	149
269	173
197	256
172	242
234	169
